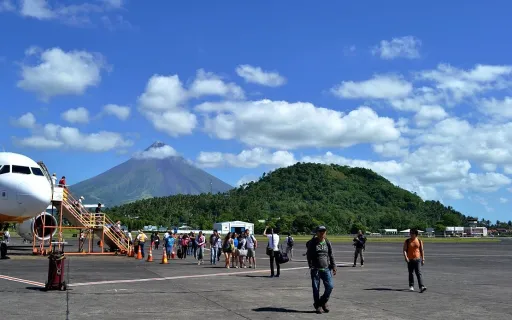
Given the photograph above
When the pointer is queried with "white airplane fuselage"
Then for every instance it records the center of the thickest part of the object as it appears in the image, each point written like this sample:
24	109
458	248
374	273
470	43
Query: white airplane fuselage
25	191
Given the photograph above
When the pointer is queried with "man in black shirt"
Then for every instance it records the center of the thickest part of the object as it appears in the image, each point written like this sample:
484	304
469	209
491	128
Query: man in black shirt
360	244
323	267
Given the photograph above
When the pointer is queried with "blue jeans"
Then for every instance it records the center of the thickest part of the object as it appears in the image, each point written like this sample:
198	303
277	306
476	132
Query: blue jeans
141	248
326	277
213	255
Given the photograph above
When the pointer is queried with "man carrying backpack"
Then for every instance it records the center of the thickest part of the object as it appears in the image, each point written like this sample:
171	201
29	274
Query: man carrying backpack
323	267
414	256
360	244
289	246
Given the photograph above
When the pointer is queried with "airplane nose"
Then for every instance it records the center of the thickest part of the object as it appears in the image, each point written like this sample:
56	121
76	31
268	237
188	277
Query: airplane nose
33	198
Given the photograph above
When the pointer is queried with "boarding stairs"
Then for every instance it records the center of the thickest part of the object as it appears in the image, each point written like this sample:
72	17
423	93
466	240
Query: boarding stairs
102	226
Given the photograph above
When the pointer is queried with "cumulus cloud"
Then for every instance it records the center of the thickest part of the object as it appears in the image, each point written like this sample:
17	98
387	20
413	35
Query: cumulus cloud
164	101
156	153
428	114
28	120
259	76
280	124
503	200
121	112
84	13
246	179
78	115
246	159
61	73
403	47
497	108
379	87
52	136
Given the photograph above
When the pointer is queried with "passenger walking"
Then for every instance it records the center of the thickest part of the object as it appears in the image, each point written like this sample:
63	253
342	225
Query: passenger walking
219	246
242	251
142	240
184	246
234	255
360	244
227	248
169	246
200	243
273	251
157	241
289	246
81	241
214	248
322	267
414	255
252	244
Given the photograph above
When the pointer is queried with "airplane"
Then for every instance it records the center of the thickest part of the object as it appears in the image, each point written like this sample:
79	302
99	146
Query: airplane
25	193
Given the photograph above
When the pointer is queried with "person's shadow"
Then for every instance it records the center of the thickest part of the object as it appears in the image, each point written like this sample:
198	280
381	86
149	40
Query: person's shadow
280	310
386	289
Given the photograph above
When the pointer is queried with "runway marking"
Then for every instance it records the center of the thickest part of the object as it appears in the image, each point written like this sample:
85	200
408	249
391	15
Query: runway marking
35	283
184	277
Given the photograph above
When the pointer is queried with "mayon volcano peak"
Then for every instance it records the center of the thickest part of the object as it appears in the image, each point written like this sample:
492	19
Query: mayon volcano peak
157	171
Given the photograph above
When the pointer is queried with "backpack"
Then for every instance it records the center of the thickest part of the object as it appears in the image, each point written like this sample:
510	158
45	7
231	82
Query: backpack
226	245
170	241
290	241
241	244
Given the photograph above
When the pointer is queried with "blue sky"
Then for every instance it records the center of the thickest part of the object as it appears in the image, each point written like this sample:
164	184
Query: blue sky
418	93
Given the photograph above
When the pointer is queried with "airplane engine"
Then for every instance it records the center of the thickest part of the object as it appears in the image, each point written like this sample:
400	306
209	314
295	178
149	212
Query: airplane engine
34	226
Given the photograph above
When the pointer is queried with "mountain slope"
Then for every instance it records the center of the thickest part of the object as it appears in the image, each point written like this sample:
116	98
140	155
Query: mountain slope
299	197
151	174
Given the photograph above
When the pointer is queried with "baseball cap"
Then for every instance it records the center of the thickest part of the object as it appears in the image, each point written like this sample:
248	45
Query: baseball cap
321	228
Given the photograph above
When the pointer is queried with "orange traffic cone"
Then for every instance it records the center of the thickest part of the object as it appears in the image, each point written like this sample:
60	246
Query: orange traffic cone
139	254
150	255
164	258
131	253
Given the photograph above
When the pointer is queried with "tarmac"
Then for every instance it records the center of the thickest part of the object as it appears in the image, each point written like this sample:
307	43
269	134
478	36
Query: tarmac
465	281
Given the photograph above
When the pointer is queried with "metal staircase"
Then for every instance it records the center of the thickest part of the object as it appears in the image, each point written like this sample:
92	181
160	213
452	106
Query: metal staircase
99	223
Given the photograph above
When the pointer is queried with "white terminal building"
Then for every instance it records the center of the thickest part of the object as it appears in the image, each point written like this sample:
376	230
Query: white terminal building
233	226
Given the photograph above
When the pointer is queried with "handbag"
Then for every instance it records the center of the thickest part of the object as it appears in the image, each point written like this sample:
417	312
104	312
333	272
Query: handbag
242	252
282	257
270	251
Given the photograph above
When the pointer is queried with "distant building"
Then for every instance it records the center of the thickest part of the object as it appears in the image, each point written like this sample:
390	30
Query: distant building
454	231
233	226
476	231
388	231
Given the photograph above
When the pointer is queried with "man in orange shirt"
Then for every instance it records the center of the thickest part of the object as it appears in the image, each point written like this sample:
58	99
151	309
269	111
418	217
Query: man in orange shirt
414	256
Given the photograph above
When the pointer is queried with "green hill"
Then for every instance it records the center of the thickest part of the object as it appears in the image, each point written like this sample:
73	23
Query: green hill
298	198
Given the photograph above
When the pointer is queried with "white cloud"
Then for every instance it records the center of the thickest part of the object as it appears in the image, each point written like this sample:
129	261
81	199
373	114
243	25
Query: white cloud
497	108
246	159
52	136
393	149
428	114
280	124
379	87
246	179
454	194
503	200
7	5
62	73
164	101
82	14
162	104
121	112
162	152
78	115
28	120
489	166
404	47
209	84
259	76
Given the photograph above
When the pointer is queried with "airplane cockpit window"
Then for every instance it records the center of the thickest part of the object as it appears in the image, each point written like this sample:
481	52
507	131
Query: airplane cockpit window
37	171
5	169
21	169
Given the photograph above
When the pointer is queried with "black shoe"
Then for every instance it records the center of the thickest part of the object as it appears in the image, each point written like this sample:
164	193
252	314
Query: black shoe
423	289
318	309
325	308
276	276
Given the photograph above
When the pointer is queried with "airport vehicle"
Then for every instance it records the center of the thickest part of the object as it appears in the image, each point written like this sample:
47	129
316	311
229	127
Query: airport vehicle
25	193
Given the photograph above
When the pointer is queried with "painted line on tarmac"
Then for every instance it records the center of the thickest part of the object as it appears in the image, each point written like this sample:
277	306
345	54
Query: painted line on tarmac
35	283
80	284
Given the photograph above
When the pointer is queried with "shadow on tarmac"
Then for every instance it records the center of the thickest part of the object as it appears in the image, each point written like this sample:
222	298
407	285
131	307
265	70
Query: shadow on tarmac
280	310
387	289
